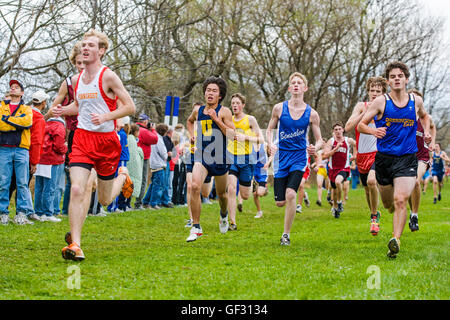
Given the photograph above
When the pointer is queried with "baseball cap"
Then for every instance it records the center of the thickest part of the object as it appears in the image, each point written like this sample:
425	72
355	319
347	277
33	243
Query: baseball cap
39	96
16	82
143	116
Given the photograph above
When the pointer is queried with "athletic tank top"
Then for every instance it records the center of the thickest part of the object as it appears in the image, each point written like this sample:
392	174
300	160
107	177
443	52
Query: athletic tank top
422	148
340	159
92	99
261	156
293	134
211	142
366	143
241	147
400	138
438	164
71	121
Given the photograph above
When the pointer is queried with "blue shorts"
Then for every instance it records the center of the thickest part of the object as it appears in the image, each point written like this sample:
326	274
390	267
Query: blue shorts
216	169
260	175
244	173
426	175
439	175
286	162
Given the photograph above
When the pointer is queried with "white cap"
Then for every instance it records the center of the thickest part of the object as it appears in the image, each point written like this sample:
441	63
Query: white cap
40	96
125	120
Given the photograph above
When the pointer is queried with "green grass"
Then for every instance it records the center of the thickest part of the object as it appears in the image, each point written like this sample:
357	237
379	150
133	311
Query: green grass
144	255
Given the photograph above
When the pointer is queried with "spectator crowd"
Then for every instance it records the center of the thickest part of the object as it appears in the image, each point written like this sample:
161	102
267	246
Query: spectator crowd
34	143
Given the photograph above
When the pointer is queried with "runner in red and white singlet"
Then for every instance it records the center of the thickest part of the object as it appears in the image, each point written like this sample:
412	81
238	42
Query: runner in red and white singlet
338	149
367	149
95	144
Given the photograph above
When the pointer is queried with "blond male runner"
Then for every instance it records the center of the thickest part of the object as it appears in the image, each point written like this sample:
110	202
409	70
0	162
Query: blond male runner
366	146
65	97
294	117
396	162
100	99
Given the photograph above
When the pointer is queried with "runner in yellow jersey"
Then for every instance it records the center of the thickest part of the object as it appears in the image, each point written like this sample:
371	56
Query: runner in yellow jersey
242	169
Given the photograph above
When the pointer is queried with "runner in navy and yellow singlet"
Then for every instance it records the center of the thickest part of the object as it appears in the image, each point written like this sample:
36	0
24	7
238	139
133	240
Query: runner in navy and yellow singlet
293	117
207	184
396	116
214	125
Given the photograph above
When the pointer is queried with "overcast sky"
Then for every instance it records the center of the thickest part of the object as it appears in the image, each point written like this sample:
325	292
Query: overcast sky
438	8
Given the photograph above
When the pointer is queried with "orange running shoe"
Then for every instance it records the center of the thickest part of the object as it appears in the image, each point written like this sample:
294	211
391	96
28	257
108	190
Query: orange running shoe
68	238
375	223
128	186
73	252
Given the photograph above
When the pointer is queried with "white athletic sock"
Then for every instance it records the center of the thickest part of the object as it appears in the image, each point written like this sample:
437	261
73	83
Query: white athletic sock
288	234
414	214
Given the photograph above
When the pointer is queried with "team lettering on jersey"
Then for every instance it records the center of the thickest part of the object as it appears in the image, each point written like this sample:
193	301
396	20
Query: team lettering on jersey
83	96
406	122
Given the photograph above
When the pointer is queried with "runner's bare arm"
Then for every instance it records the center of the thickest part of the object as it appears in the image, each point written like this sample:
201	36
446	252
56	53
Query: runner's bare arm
375	109
355	118
354	151
256	136
315	127
327	150
190	123
424	119
224	120
276	112
125	105
62	93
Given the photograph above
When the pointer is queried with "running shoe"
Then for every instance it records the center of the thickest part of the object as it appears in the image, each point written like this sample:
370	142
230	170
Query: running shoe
319	203
439	197
306	199
375	223
232	227
73	252
394	248
68	238
239	207
259	215
50	218
189	223
128	186
329	198
22	219
4	219
298	209
435	200
195	234
223	224
335	212
285	241
34	217
413	223
340	207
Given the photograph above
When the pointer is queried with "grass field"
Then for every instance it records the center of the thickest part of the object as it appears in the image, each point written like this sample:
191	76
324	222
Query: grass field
144	255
